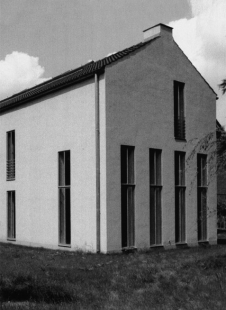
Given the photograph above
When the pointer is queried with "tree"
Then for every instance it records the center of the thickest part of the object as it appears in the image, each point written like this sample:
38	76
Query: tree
214	143
221	163
221	138
223	86
218	144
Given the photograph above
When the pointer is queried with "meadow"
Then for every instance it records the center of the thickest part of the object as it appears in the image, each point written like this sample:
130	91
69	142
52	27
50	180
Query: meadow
189	278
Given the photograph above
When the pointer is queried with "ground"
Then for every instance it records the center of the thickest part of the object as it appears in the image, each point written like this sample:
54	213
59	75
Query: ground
190	278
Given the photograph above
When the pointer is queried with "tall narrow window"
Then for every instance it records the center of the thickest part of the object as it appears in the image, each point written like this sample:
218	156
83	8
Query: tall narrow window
10	161
64	198
180	197
179	119
11	206
155	197
202	196
127	195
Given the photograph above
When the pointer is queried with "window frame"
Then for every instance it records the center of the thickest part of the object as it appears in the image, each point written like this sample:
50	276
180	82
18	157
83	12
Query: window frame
65	187
180	197
128	196
11	215
155	184
10	155
202	190
179	111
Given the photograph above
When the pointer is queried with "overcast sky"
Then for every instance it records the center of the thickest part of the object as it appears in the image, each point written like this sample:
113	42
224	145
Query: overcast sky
40	39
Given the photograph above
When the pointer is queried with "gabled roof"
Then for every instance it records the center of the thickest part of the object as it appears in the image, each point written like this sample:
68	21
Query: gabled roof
74	76
67	78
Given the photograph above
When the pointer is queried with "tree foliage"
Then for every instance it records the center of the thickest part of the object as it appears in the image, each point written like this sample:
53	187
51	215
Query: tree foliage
221	137
214	144
223	86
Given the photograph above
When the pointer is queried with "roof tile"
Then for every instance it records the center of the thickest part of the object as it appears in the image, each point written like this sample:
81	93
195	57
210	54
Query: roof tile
66	78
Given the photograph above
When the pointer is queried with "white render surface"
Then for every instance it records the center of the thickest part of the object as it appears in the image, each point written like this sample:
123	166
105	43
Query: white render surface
140	113
54	123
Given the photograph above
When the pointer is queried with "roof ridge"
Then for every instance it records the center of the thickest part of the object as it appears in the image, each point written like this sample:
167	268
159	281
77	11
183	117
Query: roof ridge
57	77
68	77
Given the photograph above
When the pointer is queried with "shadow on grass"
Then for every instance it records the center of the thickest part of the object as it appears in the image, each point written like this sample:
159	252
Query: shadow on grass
28	288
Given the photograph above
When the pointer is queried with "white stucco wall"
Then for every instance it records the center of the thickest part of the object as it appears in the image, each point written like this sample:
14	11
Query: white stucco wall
140	113
61	121
137	109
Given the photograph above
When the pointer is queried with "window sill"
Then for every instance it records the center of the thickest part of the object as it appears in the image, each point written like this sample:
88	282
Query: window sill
10	179
129	249
64	245
11	239
180	139
181	245
156	246
203	242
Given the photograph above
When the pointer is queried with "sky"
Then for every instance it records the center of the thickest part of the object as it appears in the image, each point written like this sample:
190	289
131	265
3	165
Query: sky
40	39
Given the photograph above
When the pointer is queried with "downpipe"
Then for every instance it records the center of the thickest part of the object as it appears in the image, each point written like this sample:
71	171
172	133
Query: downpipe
97	136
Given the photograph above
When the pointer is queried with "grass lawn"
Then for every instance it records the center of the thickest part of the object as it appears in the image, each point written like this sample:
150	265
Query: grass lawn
193	278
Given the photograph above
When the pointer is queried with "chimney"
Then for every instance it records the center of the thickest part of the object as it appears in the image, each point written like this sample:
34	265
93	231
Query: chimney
156	31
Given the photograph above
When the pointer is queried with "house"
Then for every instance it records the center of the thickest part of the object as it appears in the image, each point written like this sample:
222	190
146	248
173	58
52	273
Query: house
221	178
97	158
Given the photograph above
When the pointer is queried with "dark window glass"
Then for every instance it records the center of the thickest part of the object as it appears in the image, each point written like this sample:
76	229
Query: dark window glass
180	214
127	195
179	118
155	197
11	234
180	190
10	161
202	196
64	198
67	168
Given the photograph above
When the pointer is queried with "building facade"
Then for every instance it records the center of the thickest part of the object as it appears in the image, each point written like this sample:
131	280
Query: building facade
98	158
